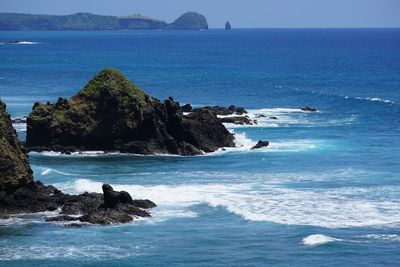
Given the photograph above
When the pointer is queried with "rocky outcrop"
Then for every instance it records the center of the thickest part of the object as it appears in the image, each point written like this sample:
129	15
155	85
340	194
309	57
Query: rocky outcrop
112	114
190	21
228	26
111	207
15	171
239	120
309	109
19	193
88	21
222	111
260	144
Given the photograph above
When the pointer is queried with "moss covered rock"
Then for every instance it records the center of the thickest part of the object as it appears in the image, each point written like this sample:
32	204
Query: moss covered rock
14	166
112	114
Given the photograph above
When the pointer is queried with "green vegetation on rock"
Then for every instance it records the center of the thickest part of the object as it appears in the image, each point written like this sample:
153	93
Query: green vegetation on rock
190	21
87	21
14	166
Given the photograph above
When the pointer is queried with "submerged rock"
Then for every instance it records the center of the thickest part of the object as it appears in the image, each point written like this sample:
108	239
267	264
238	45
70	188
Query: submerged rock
112	114
260	144
19	193
309	109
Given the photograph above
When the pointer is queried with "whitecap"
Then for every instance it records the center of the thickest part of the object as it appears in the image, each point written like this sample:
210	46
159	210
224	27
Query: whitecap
318	239
384	237
267	202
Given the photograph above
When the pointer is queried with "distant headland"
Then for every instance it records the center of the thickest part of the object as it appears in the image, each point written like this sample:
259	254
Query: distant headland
88	21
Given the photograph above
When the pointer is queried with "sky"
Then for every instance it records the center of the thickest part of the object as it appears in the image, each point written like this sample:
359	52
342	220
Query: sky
241	13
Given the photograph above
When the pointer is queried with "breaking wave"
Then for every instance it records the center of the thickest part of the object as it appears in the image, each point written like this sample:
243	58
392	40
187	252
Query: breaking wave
266	202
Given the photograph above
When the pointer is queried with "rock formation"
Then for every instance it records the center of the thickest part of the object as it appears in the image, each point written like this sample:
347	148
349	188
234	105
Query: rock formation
19	193
309	109
112	114
228	26
88	21
190	21
260	144
14	167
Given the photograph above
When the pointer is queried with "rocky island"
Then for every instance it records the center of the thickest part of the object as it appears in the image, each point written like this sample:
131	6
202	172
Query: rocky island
88	21
19	193
112	114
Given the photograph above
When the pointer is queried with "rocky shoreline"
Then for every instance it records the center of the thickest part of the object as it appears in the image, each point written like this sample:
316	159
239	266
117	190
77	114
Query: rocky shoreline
19	193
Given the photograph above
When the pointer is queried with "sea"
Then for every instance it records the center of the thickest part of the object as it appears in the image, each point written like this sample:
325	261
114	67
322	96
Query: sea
325	192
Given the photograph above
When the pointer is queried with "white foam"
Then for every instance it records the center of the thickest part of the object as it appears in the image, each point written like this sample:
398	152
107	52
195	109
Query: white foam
266	201
384	237
20	43
47	171
376	99
318	239
20	127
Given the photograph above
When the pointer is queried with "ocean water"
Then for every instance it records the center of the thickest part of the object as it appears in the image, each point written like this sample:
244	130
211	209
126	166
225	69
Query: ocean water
325	193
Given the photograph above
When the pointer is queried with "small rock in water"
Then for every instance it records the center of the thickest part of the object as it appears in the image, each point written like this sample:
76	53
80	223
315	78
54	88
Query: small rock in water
309	109
260	144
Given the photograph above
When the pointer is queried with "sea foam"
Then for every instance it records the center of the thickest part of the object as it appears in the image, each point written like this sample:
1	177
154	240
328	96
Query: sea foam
334	208
318	239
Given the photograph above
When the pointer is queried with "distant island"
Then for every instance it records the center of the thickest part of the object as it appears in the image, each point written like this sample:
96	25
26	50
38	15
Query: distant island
88	21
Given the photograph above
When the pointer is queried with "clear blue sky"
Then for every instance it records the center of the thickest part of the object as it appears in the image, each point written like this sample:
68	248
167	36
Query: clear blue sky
241	13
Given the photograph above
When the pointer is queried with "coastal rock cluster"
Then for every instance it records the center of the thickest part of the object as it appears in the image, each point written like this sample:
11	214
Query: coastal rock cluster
88	21
19	193
112	114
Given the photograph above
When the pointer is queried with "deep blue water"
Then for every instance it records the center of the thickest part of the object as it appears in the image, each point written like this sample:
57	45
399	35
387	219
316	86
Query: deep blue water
326	191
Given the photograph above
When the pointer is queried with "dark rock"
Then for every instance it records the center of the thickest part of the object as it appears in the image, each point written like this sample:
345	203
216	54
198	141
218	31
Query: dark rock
260	144
241	120
260	116
190	21
222	111
228	26
196	130
15	171
82	204
273	118
20	194
62	218
113	198
107	216
309	109
144	204
112	114
186	108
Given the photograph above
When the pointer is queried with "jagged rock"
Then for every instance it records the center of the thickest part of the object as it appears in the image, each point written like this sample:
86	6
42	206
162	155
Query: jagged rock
222	111
273	118
186	108
309	109
112	114
108	208
144	203
241	120
15	171
260	144
228	26
113	198
19	193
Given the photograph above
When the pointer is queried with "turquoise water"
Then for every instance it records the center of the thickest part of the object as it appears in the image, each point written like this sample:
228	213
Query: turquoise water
326	191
